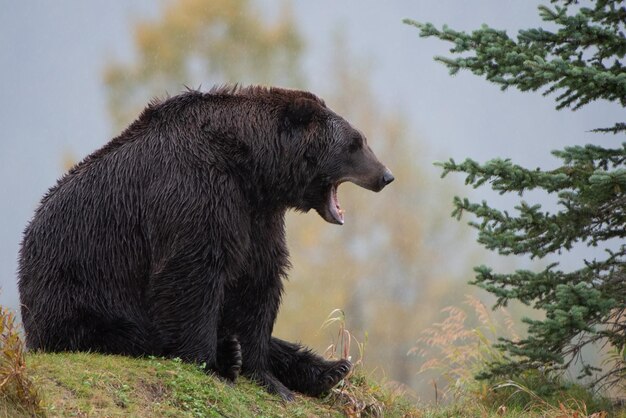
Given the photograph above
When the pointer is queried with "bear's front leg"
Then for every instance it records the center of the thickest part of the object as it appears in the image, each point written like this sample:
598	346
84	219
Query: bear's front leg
249	312
253	360
186	296
190	331
255	356
304	371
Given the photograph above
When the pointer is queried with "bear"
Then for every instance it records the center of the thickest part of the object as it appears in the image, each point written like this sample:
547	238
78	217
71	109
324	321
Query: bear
170	239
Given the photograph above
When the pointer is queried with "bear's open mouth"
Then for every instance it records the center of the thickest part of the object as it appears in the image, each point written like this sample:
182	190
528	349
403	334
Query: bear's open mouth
332	211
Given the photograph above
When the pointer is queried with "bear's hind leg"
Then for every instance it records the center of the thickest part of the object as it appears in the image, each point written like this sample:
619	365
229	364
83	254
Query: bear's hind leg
301	370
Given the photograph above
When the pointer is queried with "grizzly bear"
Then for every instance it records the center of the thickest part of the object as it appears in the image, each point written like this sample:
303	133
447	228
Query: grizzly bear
170	239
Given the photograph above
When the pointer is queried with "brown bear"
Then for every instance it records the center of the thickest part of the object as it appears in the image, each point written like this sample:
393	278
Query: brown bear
170	239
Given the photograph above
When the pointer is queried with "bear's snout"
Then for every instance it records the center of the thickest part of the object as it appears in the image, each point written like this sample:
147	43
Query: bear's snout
380	182
387	178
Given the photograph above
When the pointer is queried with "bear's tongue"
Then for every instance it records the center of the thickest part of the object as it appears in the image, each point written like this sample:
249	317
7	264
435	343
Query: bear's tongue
333	206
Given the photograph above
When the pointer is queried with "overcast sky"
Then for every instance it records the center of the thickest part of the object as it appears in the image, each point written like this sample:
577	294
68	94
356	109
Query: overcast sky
53	101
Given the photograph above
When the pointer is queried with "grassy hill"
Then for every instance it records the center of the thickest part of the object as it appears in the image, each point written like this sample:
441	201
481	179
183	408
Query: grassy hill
91	385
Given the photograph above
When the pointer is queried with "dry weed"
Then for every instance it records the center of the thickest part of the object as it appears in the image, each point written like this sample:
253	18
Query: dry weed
15	384
458	351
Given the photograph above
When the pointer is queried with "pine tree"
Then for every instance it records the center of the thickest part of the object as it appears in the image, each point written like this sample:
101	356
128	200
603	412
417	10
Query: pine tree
580	61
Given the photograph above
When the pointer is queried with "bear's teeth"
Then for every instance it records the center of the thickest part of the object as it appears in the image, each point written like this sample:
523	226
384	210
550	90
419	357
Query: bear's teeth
335	208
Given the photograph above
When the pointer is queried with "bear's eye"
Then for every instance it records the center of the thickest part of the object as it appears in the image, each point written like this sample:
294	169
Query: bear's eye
355	143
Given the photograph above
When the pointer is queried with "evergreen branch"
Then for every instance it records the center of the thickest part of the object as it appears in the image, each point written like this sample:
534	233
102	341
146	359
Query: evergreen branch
615	129
541	58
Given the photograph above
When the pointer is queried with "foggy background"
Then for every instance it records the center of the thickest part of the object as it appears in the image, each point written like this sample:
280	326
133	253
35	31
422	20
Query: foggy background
55	110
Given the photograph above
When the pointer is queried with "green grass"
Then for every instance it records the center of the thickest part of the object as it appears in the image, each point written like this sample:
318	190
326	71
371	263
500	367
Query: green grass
92	385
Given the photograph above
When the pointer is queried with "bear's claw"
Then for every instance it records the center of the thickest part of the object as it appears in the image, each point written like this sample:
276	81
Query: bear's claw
335	373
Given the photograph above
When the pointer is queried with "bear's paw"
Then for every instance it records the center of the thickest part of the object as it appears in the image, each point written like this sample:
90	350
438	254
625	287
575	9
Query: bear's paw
229	358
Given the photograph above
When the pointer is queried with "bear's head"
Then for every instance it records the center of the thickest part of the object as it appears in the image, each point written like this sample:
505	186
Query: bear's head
324	151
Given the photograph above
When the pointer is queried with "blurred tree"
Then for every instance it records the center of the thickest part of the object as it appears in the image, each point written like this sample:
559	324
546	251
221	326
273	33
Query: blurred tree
198	41
581	60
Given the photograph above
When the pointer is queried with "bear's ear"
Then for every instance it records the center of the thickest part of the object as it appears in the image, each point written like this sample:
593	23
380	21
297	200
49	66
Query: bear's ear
301	110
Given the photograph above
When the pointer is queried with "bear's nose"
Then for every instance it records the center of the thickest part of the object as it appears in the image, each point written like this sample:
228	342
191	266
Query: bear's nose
387	177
